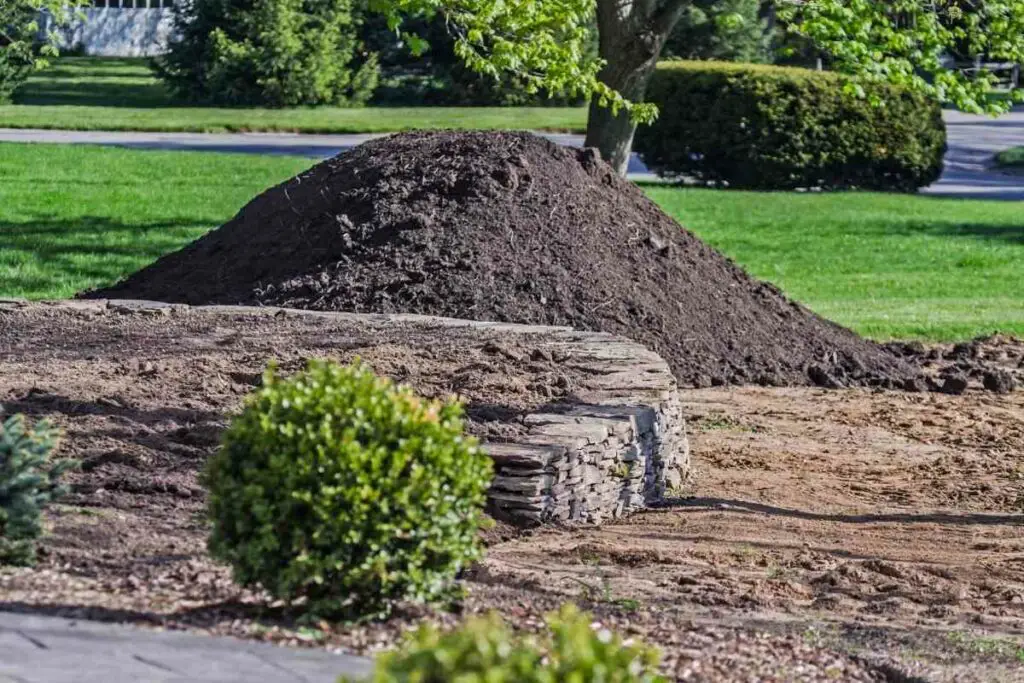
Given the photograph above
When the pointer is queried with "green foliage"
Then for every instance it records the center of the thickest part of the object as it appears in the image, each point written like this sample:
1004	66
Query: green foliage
21	49
275	53
765	127
1011	158
17	49
540	46
337	487
901	41
904	42
725	30
484	649
437	77
28	482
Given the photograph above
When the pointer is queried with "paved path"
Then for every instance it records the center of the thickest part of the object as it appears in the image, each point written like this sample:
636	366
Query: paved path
315	146
973	141
36	649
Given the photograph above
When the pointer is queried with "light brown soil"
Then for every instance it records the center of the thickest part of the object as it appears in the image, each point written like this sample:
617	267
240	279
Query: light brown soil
855	527
878	522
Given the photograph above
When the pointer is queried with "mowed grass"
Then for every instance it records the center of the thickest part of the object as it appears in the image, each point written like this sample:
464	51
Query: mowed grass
889	266
73	217
89	93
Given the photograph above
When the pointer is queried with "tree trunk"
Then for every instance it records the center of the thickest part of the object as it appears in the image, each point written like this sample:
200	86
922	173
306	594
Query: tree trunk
612	134
630	36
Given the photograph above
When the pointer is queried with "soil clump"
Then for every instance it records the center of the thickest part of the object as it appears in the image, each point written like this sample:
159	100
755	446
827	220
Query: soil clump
994	363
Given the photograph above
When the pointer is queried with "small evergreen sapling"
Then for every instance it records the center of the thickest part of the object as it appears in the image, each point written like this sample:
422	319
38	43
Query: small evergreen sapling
28	482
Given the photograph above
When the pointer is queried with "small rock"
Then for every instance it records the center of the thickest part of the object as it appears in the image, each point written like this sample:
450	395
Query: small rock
821	378
954	385
965	350
998	381
589	158
656	242
915	348
496	348
914	384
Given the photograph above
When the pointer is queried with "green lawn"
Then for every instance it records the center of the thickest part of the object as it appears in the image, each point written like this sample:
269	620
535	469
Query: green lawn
1012	158
78	216
88	93
888	266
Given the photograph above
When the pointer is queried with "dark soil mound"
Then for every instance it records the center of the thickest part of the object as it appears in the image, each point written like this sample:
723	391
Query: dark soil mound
509	227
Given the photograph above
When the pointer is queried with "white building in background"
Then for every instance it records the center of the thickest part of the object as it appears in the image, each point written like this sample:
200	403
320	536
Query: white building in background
121	28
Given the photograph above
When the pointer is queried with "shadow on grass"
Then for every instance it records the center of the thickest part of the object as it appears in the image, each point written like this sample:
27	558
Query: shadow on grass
998	232
1013	234
815	204
44	255
49	237
107	82
133	95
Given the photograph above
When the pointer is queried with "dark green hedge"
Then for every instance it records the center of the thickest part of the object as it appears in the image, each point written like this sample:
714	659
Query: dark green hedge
767	127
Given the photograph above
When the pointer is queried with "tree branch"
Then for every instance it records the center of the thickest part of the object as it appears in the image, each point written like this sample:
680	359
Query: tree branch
666	16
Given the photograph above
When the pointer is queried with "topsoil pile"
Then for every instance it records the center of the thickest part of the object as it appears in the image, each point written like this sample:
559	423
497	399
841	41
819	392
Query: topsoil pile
509	227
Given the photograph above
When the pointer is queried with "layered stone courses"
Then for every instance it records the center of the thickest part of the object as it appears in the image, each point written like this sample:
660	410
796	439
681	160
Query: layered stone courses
617	446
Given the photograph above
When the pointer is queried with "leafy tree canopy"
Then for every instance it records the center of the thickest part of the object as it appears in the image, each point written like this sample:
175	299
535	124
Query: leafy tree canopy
26	41
544	42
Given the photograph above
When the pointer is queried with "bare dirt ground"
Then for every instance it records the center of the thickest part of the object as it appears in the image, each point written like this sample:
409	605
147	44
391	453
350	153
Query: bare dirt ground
828	535
883	523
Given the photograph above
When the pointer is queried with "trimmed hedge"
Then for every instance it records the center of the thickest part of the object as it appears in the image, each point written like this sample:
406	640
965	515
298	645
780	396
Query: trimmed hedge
777	128
336	487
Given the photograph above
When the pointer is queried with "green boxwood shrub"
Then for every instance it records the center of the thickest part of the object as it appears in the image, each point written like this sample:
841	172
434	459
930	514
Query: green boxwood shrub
778	128
336	487
484	649
28	482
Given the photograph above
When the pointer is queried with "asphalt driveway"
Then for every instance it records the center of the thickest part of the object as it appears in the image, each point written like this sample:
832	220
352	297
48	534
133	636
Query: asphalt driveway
973	141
